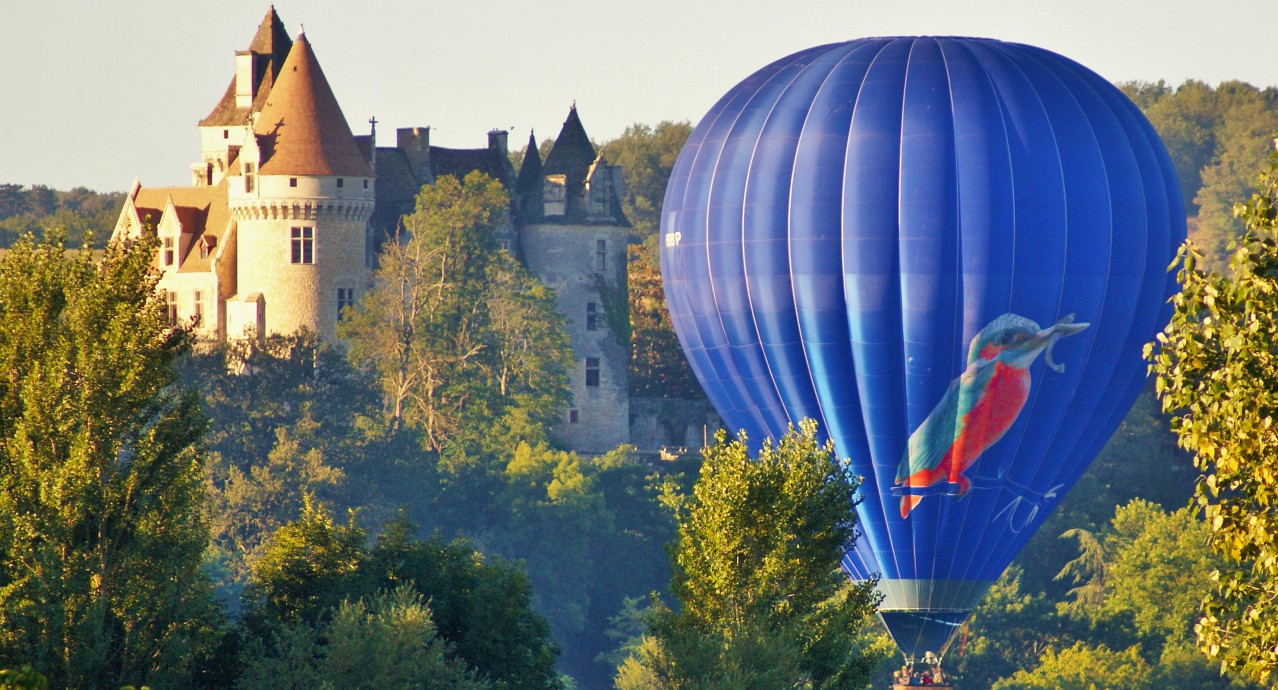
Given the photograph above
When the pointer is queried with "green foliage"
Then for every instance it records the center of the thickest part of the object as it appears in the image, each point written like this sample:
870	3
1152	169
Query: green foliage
658	368
101	537
1008	632
1217	138
482	608
79	215
1084	667
756	571
289	417
1244	140
1216	365
22	678
455	331
386	641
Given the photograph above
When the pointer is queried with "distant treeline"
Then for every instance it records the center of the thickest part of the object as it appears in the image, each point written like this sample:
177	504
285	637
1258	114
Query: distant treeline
38	209
1219	139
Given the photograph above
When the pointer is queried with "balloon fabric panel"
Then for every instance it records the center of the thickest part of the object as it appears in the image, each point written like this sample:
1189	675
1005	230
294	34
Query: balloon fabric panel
949	252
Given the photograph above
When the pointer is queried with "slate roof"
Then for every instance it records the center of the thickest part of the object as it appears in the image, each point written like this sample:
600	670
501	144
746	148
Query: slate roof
301	128
460	162
398	184
397	188
528	186
271	44
571	156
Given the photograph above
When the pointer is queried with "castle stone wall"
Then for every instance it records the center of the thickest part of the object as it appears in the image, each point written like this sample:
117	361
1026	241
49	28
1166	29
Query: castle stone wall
673	427
297	294
567	258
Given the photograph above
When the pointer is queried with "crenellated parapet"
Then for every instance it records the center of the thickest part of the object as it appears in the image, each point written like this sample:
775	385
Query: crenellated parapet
318	210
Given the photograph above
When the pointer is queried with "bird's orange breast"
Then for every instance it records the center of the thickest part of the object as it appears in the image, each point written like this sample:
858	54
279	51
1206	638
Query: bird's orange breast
990	417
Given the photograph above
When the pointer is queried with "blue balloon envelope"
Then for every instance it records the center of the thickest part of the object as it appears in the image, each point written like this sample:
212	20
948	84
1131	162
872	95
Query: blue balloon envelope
947	251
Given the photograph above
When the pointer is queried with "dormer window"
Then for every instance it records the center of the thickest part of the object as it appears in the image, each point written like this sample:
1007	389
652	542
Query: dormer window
249	175
170	251
555	195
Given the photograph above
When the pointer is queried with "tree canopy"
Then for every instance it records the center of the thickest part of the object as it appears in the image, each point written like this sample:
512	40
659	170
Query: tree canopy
101	476
1216	366
457	333
755	563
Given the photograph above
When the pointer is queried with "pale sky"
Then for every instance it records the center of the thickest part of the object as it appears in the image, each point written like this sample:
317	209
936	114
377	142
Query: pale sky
96	93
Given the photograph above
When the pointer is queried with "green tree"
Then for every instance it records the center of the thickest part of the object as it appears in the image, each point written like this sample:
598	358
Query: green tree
658	368
482	607
1009	631
386	641
290	417
1243	138
101	533
756	572
1187	119
1083	667
457	334
1216	367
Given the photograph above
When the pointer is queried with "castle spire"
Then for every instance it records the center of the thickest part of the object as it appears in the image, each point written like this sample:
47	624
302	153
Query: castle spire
302	128
265	56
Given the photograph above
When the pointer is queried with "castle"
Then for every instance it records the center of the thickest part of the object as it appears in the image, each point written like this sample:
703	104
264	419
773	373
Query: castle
279	230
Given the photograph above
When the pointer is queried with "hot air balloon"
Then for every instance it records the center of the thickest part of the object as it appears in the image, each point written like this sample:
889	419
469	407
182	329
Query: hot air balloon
948	252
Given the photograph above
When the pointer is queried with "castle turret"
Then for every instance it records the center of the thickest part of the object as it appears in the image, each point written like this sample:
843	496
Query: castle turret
222	131
573	235
528	186
301	193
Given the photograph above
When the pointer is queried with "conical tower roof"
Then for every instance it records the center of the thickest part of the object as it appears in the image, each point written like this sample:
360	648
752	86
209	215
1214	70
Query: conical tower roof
572	153
571	156
270	44
529	179
301	128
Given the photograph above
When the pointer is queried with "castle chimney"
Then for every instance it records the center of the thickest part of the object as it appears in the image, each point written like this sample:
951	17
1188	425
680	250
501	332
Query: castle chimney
244	86
415	143
497	140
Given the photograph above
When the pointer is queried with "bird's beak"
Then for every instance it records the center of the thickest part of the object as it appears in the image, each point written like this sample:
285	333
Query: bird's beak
1066	326
1056	331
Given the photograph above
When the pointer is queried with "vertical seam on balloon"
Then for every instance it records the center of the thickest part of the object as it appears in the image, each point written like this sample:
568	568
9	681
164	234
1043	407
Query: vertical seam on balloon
789	241
997	108
959	279
756	412
789	246
745	264
843	262
1100	315
704	378
957	335
997	52
705	223
745	203
915	528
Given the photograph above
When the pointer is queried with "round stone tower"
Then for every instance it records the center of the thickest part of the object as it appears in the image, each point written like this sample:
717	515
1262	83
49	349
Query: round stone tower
301	193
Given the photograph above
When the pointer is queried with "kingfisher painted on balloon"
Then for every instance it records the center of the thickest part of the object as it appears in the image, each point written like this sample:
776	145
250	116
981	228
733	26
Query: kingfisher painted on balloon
979	406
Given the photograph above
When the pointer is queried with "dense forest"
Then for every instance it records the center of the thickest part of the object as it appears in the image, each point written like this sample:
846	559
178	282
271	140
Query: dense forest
308	509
